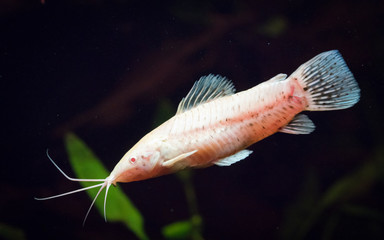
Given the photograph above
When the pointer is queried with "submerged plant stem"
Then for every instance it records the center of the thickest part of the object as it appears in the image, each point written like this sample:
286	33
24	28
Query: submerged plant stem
195	220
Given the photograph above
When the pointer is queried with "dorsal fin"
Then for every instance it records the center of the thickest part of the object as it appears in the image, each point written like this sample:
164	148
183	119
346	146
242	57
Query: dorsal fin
205	89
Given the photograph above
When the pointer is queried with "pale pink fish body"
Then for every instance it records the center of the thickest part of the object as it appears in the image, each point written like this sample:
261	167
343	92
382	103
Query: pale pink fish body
221	128
217	129
213	125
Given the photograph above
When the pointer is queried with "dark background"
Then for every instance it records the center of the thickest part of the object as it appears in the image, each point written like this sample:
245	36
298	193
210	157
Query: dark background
101	68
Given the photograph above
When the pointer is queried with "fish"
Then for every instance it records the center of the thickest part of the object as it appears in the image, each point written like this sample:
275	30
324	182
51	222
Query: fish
214	125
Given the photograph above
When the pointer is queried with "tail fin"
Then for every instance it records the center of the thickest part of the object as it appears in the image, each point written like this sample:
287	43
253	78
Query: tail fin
328	83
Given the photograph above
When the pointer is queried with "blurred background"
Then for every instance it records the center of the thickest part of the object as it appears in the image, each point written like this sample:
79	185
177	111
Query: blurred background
110	71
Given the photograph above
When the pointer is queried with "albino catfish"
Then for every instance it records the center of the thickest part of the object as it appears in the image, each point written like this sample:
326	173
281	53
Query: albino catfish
214	125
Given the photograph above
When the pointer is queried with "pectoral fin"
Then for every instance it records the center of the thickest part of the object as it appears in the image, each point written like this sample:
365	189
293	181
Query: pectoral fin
180	158
233	158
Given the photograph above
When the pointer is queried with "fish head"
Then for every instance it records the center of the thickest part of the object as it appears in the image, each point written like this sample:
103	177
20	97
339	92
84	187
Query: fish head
139	163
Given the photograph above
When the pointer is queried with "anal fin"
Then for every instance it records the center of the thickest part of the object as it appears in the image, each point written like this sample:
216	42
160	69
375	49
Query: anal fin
181	157
300	124
233	158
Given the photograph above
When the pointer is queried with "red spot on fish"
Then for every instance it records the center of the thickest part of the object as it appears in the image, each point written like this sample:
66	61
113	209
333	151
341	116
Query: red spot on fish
293	98
292	90
133	160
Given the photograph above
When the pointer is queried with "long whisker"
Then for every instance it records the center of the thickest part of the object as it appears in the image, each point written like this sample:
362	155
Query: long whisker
93	202
106	183
72	179
105	201
71	192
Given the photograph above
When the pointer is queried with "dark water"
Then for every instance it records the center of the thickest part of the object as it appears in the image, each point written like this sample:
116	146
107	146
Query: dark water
103	68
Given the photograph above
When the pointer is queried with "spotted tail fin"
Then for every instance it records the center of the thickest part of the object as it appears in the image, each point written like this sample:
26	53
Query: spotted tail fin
328	82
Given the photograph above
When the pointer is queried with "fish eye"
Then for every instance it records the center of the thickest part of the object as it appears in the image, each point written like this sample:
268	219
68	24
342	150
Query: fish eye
132	159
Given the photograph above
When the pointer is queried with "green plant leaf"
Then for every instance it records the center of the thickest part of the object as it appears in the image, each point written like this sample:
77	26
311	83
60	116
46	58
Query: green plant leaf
119	207
350	186
302	217
9	232
274	27
164	111
178	230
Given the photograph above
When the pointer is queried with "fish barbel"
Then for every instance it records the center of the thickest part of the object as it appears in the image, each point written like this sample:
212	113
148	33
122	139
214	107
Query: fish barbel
214	125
